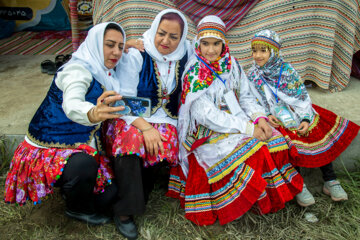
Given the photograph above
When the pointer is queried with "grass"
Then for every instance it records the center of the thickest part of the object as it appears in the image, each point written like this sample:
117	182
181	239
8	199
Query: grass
164	219
5	153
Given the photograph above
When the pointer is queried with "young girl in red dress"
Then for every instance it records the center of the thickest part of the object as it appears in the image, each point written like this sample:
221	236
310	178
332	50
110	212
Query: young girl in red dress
316	136
231	160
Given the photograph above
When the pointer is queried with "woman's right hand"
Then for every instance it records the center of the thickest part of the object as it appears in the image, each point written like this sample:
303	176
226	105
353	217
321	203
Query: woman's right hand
134	43
274	122
102	111
153	141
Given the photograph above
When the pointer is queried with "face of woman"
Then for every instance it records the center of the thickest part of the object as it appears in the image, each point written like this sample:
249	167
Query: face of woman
113	46
168	36
211	48
261	55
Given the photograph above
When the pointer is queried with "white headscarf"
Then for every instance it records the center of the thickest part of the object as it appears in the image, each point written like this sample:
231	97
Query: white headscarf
90	54
149	37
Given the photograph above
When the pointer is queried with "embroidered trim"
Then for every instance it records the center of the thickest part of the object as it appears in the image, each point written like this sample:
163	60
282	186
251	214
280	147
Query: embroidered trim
159	93
63	145
217	138
277	144
201	132
314	122
339	122
177	66
239	155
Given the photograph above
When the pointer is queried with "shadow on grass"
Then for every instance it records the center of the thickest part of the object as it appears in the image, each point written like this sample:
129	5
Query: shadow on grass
164	219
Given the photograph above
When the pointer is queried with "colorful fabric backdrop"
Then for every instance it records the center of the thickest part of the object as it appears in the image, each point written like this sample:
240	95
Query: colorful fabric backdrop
231	11
319	37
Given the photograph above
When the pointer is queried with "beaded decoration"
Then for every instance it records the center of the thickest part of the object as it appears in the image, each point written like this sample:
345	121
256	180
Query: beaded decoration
164	90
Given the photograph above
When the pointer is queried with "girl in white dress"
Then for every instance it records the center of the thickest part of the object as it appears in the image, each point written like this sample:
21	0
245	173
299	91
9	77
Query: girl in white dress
231	160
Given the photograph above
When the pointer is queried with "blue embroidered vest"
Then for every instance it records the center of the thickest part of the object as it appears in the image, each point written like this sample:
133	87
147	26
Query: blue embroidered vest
50	127
149	86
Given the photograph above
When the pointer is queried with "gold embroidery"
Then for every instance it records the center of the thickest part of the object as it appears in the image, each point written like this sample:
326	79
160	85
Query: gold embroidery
62	145
159	93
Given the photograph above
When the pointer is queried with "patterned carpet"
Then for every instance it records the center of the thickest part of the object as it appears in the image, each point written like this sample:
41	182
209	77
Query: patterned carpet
320	37
34	43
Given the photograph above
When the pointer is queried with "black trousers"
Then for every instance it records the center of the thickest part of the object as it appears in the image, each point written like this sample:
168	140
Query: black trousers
328	172
77	184
134	183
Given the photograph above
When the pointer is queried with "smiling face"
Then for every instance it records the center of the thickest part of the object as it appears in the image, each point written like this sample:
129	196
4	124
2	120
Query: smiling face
168	36
211	48
261	54
113	46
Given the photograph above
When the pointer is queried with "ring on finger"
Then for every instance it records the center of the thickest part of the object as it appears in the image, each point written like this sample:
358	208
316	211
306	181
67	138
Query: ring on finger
103	101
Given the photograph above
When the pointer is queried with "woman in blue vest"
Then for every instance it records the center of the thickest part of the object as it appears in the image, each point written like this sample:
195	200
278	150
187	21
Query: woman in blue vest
62	145
138	144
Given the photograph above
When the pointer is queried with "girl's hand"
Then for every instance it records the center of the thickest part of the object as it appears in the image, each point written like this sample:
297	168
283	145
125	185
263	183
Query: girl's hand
303	128
135	43
265	127
102	111
274	122
259	134
153	140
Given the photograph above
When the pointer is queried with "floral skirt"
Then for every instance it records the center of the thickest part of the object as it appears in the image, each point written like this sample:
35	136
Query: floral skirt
329	135
33	172
263	183
123	139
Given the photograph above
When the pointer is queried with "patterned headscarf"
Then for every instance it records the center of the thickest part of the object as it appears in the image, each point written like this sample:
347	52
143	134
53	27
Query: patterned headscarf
290	86
271	69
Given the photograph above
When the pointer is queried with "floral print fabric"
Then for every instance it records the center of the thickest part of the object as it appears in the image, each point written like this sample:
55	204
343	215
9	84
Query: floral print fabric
33	172
200	77
123	139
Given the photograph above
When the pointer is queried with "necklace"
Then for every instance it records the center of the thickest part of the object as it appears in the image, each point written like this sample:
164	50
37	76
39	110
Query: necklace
164	90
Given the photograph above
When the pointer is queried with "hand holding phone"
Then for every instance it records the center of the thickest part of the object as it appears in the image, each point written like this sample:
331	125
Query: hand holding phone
134	106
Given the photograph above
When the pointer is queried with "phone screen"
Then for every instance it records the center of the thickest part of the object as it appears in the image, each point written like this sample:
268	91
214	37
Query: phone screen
135	106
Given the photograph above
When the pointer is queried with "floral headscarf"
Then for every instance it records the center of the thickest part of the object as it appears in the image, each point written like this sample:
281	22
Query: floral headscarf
198	76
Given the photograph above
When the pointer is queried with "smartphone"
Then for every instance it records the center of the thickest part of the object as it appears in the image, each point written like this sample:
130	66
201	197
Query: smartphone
134	106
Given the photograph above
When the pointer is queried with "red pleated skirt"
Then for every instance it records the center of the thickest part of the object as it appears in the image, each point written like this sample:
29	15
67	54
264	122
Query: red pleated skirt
263	184
329	135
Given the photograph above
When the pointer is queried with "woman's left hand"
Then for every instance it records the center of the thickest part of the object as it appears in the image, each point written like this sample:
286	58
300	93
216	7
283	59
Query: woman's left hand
303	128
102	111
265	127
154	141
135	43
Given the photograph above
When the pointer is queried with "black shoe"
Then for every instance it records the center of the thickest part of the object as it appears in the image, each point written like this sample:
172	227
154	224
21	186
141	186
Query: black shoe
94	219
48	67
127	228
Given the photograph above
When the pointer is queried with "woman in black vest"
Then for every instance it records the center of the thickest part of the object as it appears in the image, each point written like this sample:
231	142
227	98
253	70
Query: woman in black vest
139	144
62	145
